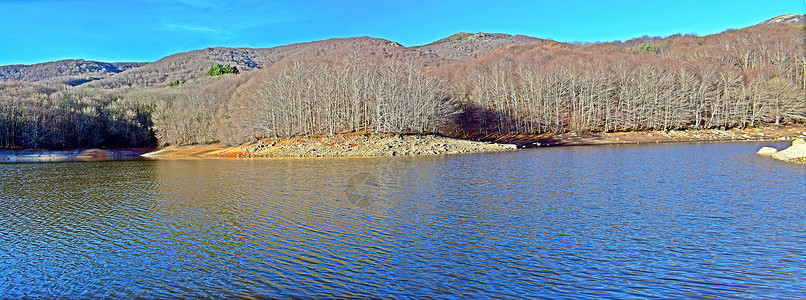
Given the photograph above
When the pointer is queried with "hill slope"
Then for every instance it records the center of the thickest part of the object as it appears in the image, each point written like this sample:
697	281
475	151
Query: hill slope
70	71
788	19
194	64
465	45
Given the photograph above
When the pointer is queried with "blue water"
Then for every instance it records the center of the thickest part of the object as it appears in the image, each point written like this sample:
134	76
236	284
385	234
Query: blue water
656	221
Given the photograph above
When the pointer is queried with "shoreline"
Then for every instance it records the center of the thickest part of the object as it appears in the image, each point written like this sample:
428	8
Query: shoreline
356	145
369	145
91	154
350	145
768	133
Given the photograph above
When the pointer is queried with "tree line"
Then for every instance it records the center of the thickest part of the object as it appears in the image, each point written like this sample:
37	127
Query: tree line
590	91
41	116
309	97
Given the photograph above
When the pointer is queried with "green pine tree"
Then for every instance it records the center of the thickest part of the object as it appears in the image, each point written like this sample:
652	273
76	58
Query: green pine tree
218	69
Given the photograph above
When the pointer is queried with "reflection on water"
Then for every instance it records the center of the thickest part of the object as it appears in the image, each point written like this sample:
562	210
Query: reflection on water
681	221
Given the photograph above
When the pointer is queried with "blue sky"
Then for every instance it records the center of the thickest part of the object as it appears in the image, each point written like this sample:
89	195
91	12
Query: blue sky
147	30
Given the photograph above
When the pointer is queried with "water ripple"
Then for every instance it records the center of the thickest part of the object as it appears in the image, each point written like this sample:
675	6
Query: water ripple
672	221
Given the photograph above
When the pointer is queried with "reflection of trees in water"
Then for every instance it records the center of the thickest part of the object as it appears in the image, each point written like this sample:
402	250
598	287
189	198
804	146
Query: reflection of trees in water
76	197
360	189
276	218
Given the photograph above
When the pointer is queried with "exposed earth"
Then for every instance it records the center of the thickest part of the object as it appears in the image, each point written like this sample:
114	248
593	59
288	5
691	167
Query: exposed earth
339	146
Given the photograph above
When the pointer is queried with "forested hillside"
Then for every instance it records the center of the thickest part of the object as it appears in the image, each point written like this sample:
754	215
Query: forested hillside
457	86
69	72
465	45
737	78
43	116
194	64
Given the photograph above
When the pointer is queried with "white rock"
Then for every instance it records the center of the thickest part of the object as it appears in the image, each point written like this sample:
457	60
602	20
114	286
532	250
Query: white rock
795	152
766	151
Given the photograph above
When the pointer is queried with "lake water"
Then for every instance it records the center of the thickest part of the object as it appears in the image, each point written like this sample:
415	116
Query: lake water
671	221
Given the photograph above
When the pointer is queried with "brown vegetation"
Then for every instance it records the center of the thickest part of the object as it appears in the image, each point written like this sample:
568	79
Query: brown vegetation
310	96
70	72
738	78
465	45
192	65
42	116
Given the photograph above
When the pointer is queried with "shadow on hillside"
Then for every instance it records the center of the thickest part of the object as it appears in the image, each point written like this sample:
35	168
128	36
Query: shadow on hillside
58	129
486	125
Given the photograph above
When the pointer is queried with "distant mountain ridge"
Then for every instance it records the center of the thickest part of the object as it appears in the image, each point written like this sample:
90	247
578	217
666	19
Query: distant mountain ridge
69	71
788	19
465	45
194	64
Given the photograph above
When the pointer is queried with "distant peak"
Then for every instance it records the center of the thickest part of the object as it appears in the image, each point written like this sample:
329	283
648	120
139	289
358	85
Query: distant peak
460	36
790	19
465	36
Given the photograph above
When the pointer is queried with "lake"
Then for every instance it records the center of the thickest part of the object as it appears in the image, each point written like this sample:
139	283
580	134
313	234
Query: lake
694	220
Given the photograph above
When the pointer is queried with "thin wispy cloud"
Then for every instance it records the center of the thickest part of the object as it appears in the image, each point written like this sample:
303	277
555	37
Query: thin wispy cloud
220	34
193	28
220	23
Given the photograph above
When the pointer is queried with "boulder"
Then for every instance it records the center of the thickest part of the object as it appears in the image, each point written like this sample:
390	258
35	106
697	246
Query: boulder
795	153
766	151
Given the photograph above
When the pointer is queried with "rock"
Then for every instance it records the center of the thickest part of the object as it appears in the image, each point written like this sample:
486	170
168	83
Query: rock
795	153
361	145
766	151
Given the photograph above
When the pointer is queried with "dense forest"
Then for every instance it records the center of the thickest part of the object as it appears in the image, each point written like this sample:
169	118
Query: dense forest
40	116
738	78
